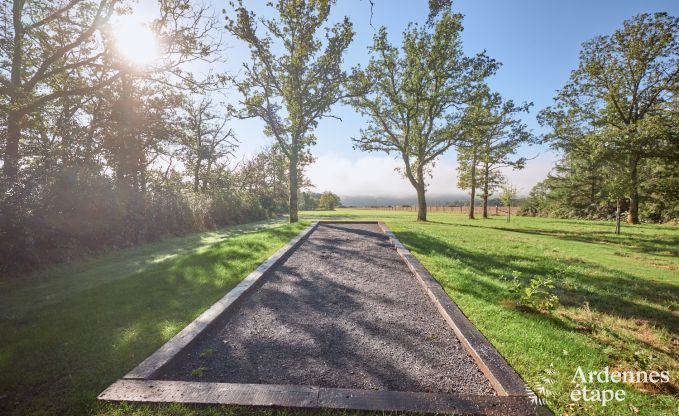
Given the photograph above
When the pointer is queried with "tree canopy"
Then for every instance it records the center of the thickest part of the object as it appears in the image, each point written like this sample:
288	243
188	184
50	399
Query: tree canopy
414	97
622	98
293	90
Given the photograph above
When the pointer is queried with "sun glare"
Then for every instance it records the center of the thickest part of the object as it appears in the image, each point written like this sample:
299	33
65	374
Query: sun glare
135	41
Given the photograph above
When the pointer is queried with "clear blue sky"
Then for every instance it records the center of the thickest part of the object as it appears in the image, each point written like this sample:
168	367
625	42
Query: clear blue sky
538	43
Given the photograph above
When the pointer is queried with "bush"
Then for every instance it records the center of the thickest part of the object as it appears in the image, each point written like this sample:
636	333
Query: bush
535	294
76	212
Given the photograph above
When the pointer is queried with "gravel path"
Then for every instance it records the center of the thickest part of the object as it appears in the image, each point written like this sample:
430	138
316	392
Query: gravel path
342	311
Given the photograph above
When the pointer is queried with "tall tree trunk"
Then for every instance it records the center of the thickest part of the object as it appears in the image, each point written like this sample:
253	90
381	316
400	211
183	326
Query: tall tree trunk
208	173
633	216
293	185
421	203
142	168
486	176
472	182
421	193
11	157
196	175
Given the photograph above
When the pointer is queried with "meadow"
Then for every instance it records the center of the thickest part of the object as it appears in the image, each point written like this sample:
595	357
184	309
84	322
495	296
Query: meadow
71	330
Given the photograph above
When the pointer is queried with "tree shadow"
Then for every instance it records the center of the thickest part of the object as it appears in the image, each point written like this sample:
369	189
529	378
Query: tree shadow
55	358
43	288
343	311
611	292
666	247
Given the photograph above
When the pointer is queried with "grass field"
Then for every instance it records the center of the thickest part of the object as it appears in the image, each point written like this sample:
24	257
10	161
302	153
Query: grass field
70	331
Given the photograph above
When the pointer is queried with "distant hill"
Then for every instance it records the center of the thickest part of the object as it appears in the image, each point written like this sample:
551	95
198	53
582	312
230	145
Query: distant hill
381	201
432	200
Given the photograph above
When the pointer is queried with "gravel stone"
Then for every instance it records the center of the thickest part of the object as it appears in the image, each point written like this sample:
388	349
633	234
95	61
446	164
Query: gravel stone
342	311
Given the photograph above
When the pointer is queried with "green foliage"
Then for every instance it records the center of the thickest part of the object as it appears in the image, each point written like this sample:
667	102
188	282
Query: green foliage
206	143
413	96
91	143
291	91
535	294
75	212
619	106
587	186
328	201
490	143
310	201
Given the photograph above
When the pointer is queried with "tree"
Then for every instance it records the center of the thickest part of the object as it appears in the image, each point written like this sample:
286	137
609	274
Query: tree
265	177
93	128
467	164
489	144
506	196
328	201
414	99
205	141
309	200
60	51
501	136
42	43
623	87
292	91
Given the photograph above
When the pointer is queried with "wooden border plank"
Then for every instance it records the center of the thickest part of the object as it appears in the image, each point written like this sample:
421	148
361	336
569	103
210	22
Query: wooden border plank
501	375
147	368
162	391
165	391
513	395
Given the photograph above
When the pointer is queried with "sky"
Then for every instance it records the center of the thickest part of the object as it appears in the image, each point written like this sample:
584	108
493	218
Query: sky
537	42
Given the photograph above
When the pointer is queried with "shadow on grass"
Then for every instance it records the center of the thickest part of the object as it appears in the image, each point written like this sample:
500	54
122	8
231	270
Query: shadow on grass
657	246
56	358
39	289
612	292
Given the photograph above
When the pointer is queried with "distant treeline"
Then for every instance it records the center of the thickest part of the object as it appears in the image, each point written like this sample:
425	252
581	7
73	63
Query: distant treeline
579	187
310	201
616	123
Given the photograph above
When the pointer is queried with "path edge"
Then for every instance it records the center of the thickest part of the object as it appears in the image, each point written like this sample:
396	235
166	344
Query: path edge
311	397
163	355
502	377
139	384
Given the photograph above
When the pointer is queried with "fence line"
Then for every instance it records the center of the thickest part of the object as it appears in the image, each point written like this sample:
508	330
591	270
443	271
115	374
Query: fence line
492	210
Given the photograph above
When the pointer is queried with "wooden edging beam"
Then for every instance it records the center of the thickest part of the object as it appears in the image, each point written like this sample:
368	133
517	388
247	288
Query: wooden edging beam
163	391
501	375
513	397
186	336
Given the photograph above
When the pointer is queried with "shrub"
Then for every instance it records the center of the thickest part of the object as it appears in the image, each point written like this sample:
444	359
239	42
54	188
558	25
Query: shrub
534	294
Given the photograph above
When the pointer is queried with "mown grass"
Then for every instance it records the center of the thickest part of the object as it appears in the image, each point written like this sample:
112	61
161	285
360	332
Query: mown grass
70	331
619	297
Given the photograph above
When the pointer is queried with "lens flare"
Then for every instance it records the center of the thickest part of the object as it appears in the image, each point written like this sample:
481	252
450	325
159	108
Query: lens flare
135	41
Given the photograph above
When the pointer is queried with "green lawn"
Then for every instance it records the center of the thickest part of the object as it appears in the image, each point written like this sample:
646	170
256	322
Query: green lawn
619	296
70	331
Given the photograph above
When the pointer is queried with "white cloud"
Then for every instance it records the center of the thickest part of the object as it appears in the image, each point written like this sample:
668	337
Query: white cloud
535	171
375	175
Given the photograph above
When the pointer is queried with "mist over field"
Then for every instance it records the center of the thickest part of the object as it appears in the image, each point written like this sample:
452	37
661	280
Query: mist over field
454	199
